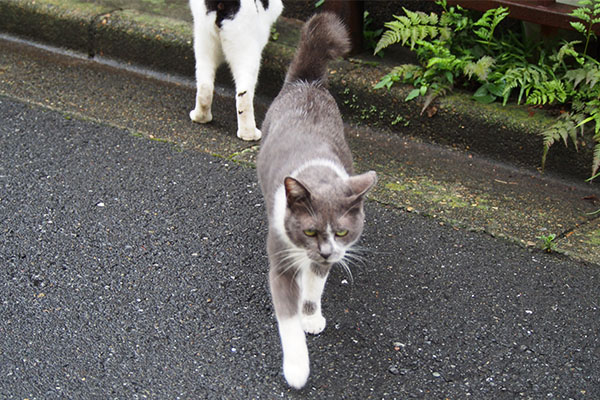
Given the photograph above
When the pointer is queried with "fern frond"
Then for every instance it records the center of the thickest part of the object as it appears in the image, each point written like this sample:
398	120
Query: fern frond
562	128
531	77
596	159
435	91
592	75
547	92
489	21
391	36
480	69
568	49
406	73
411	28
576	76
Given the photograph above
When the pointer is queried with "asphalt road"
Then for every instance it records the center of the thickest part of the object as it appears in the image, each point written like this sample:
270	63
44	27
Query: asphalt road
130	268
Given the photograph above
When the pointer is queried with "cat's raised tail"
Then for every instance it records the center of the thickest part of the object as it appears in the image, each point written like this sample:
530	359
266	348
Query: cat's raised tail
324	38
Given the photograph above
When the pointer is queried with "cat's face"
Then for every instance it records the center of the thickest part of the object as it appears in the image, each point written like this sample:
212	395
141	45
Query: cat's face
326	223
325	229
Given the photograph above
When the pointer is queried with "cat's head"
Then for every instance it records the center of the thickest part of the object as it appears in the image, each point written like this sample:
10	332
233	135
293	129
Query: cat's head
326	217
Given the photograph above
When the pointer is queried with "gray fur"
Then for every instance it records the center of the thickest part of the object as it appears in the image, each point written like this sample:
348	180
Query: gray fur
305	172
309	308
304	124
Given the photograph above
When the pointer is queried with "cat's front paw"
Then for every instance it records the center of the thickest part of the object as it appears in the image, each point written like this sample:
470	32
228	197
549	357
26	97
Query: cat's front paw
249	134
201	116
313	324
296	369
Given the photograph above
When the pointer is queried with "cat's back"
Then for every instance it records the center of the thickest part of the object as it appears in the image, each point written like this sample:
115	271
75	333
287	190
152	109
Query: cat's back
302	125
220	11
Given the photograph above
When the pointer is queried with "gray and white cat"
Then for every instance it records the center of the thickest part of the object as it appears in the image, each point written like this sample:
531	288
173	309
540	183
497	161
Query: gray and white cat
235	31
313	201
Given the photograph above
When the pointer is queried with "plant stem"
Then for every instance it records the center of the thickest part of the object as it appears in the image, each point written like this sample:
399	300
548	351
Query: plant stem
587	38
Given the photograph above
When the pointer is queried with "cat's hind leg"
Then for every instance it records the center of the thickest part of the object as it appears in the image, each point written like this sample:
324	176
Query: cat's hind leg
243	53
209	55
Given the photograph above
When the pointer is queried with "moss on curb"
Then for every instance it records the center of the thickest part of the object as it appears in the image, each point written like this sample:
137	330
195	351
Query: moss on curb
61	23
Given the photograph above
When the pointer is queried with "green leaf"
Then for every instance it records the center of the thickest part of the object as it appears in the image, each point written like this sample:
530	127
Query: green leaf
496	89
596	160
482	95
413	93
585	121
381	84
449	77
578	26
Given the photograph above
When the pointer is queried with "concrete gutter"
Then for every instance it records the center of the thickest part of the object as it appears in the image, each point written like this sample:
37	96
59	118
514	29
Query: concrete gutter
504	134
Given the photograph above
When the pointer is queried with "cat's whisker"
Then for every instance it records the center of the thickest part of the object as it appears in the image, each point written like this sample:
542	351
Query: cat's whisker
286	267
346	269
361	249
290	258
357	260
356	255
289	252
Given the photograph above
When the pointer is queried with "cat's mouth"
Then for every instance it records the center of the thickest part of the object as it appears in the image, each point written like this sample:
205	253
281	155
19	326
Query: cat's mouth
329	260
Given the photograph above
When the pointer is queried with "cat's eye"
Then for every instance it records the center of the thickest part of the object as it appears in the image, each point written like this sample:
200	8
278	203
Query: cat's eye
341	233
310	232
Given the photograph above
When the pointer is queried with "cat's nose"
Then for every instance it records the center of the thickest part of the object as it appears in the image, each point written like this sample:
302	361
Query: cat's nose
325	251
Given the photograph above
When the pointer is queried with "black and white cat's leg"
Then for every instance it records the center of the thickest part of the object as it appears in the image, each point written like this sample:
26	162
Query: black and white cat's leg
313	283
243	54
285	294
208	54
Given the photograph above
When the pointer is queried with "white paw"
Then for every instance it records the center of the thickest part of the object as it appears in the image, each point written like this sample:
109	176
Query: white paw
296	369
249	134
201	115
313	324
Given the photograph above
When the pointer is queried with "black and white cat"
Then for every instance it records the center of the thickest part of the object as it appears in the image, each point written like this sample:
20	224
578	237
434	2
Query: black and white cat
313	201
235	31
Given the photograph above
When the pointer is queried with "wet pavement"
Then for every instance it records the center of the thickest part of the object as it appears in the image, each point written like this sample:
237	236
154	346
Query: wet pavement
135	268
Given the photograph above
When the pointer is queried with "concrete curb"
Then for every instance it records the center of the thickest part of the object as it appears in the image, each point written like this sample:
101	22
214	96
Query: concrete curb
507	134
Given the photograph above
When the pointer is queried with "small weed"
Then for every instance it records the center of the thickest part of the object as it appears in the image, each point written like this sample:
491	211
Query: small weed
274	34
367	113
400	120
158	139
548	244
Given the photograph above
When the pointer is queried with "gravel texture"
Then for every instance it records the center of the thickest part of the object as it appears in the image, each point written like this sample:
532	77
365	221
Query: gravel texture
131	269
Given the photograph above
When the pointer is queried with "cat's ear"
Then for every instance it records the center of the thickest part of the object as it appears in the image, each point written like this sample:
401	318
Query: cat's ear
295	192
360	184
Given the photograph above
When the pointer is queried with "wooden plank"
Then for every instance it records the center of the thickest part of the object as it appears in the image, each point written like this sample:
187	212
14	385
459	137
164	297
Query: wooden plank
543	12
